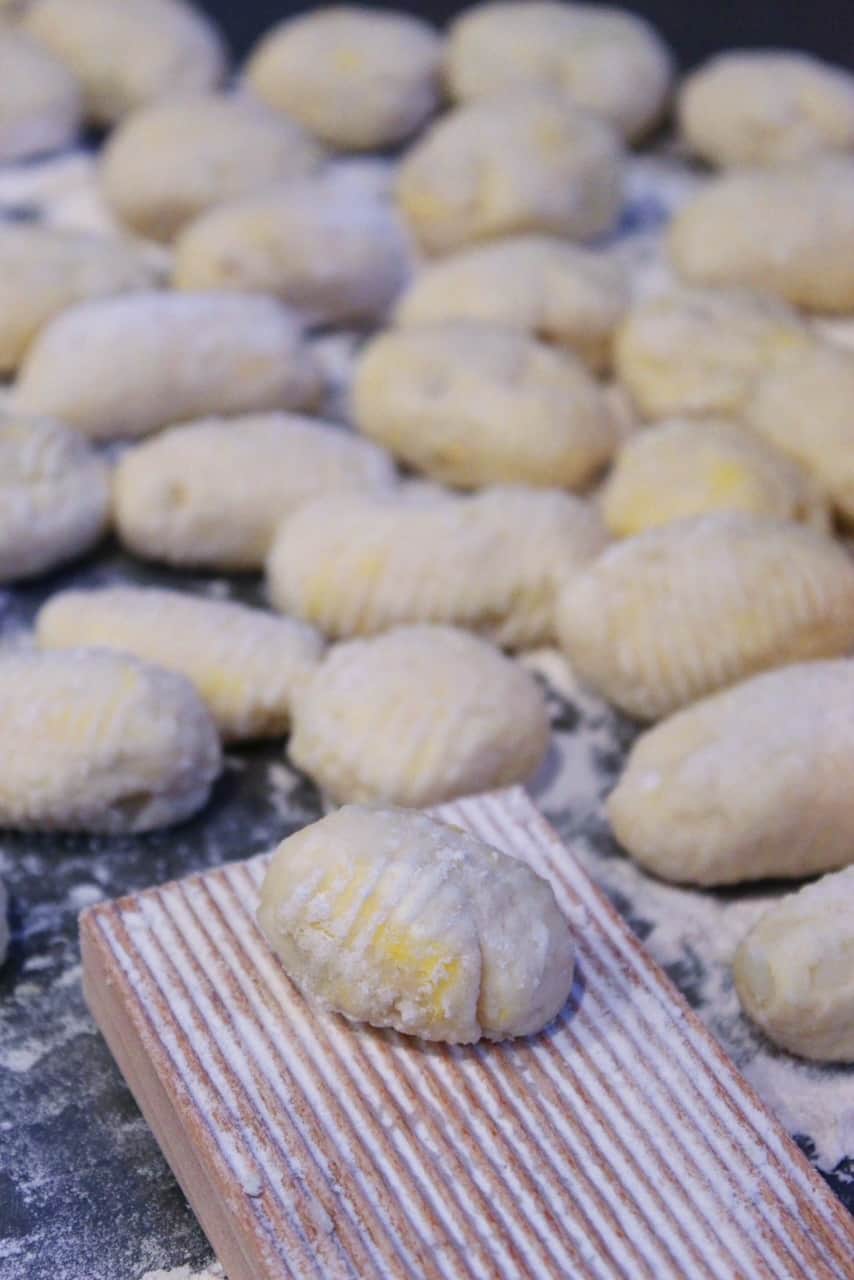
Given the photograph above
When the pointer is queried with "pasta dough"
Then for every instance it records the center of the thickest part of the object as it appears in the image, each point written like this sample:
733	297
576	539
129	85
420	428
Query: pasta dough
398	920
678	612
95	741
416	716
210	494
247	665
39	99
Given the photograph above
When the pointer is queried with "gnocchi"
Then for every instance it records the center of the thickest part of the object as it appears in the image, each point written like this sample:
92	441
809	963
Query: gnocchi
39	99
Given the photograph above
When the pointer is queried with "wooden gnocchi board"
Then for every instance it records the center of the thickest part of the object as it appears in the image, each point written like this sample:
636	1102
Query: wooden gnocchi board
621	1142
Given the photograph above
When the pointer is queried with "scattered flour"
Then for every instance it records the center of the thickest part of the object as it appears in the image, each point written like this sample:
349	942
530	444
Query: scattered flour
213	1271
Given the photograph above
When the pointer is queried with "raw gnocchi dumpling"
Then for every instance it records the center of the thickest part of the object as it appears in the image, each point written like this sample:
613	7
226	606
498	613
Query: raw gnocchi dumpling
210	494
171	161
527	162
416	716
474	405
749	783
39	99
608	60
130	53
54	496
793	971
247	665
125	366
689	467
97	741
396	919
675	613
493	562
766	107
358	78
536	285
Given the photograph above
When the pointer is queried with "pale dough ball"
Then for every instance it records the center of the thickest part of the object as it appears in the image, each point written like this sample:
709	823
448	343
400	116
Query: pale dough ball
493	562
544	287
675	613
608	60
54	496
358	78
248	666
125	366
97	741
793	971
766	107
418	715
127	53
685	467
336	260
789	231
527	162
210	494
474	405
39	99
44	270
170	161
751	783
401	921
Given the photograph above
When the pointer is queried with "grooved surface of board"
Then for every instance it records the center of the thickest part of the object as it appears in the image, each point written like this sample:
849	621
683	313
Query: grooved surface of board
621	1142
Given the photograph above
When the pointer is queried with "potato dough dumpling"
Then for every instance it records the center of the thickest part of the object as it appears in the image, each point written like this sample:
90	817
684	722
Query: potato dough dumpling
169	162
766	107
401	921
793	971
474	405
209	494
528	162
538	285
54	496
675	613
96	741
416	716
39	99
125	366
493	562
130	53
605	59
247	665
750	783
358	78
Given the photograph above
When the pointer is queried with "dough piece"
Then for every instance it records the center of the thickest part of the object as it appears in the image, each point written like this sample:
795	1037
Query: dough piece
247	665
358	78
125	366
685	467
96	741
210	494
793	971
39	99
336	260
474	405
789	231
678	612
416	716
398	920
130	53
44	270
171	161
750	783
528	162
766	107
607	60
493	562
54	496
536	285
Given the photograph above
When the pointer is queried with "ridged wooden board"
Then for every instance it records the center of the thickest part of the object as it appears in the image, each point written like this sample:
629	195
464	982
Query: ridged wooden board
619	1143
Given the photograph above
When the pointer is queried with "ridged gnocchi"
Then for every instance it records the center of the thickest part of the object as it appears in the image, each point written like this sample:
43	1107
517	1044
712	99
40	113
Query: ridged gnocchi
418	715
675	613
96	741
39	98
391	918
